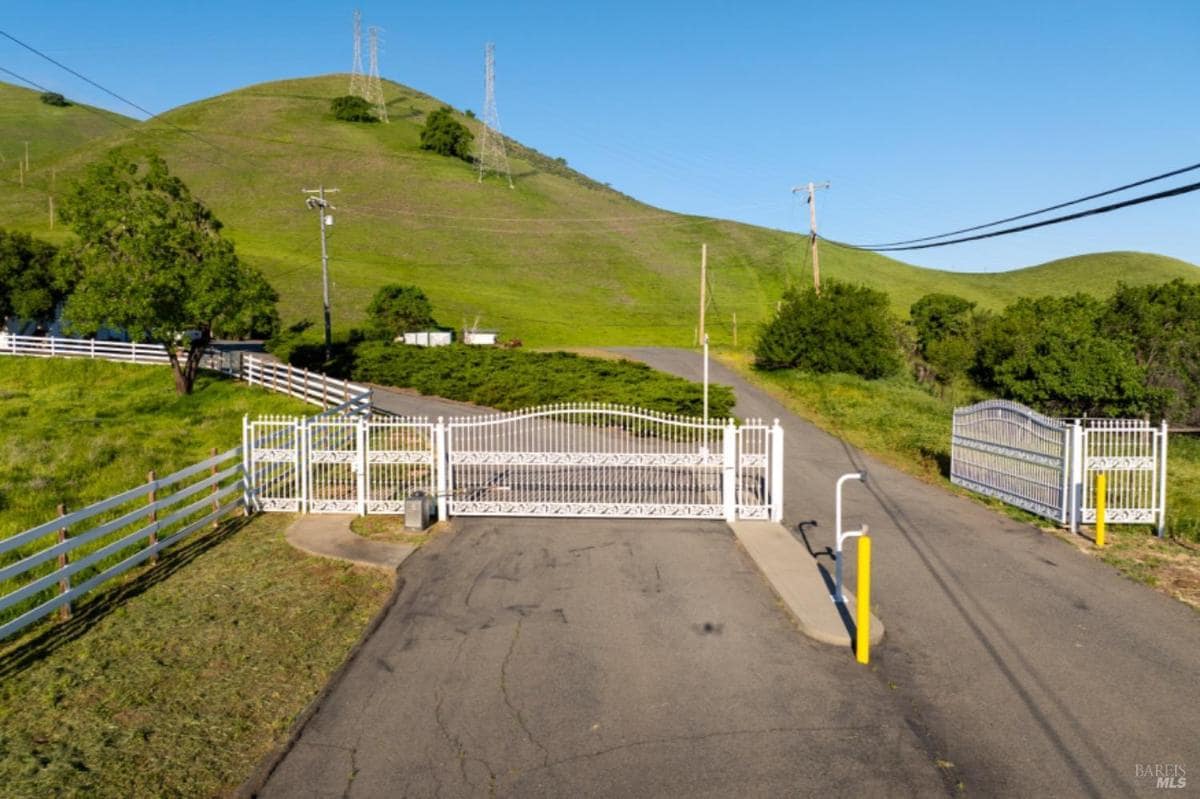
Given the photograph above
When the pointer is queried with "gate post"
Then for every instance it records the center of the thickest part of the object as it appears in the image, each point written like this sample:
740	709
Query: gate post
361	463
1077	461
247	470
775	464
1162	482
302	466
441	464
729	471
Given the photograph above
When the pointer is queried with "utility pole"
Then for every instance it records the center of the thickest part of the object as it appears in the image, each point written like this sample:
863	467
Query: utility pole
316	200
811	188
703	284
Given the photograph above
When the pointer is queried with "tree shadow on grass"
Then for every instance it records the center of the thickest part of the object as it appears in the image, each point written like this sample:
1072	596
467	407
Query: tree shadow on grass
54	634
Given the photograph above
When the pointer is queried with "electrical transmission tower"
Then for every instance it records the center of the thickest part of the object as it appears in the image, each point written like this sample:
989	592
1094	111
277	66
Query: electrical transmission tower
358	81
492	155
374	94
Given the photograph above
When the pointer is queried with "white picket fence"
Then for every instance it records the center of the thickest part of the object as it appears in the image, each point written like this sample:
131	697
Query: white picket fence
1049	466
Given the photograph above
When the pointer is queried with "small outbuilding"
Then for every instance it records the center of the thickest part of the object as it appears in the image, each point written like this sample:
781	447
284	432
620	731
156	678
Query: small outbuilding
486	338
428	338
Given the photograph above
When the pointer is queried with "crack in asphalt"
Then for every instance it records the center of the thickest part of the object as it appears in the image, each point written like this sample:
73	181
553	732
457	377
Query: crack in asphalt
516	712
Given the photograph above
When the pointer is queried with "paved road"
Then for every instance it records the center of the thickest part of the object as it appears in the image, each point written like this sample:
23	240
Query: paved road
1034	669
599	658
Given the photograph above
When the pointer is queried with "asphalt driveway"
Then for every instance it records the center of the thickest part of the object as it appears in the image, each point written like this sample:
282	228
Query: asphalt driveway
541	657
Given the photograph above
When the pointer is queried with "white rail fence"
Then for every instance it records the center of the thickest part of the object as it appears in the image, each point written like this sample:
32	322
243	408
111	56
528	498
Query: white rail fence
312	387
572	460
52	565
1048	466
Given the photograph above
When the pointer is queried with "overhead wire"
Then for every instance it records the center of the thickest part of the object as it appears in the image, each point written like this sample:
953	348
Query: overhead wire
1175	192
1026	215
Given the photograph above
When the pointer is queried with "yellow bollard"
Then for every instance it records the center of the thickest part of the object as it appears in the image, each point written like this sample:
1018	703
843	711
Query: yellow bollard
1101	499
862	619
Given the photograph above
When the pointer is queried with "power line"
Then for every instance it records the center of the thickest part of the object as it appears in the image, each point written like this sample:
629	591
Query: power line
1104	209
86	79
1047	209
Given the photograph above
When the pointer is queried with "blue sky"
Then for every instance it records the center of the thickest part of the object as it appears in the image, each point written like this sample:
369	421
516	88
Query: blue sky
926	117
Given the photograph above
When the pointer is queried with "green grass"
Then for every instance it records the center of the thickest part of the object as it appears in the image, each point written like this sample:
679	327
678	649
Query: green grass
559	260
178	682
78	431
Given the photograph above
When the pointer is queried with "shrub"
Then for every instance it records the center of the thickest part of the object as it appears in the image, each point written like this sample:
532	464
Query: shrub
351	108
397	309
847	328
946	330
55	99
445	135
509	379
1048	352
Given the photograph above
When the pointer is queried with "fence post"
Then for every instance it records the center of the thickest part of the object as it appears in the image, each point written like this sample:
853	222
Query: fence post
52	345
324	392
729	471
1077	461
92	348
290	385
361	433
776	466
441	464
64	584
1162	482
216	502
246	455
153	518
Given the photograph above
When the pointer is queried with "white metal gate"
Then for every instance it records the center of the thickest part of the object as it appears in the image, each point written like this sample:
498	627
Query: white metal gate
1049	466
562	460
1005	450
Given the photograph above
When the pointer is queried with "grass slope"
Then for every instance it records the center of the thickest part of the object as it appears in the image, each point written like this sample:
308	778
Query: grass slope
77	431
557	260
179	682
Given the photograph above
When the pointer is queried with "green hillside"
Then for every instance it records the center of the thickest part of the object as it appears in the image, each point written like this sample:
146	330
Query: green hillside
560	259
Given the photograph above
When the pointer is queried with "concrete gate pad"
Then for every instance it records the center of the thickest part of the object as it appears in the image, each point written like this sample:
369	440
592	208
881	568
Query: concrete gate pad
329	536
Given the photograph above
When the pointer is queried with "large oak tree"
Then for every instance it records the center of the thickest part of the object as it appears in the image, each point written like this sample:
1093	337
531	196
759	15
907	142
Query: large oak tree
150	260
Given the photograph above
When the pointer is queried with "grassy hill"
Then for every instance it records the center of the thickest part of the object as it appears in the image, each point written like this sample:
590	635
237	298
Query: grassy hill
558	260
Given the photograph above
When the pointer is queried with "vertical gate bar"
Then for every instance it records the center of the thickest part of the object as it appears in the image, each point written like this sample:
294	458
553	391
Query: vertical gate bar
441	466
300	428
728	447
247	460
776	466
1077	443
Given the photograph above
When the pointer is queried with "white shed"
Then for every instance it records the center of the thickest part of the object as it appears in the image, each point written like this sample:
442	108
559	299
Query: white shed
482	337
428	338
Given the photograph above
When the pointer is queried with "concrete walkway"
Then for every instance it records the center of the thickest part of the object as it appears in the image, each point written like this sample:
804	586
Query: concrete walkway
329	536
804	585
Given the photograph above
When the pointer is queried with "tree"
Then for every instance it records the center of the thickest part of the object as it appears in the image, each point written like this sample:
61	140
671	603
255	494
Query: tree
847	328
54	98
352	108
397	309
1048	352
1161	325
946	331
151	261
445	135
31	284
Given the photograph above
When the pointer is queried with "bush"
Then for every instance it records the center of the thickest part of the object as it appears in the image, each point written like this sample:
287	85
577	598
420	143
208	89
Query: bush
397	309
445	135
847	328
946	330
1049	353
1161	325
352	108
513	379
55	99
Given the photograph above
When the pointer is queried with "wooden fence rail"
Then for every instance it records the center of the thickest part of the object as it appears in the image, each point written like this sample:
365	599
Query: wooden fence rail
160	521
